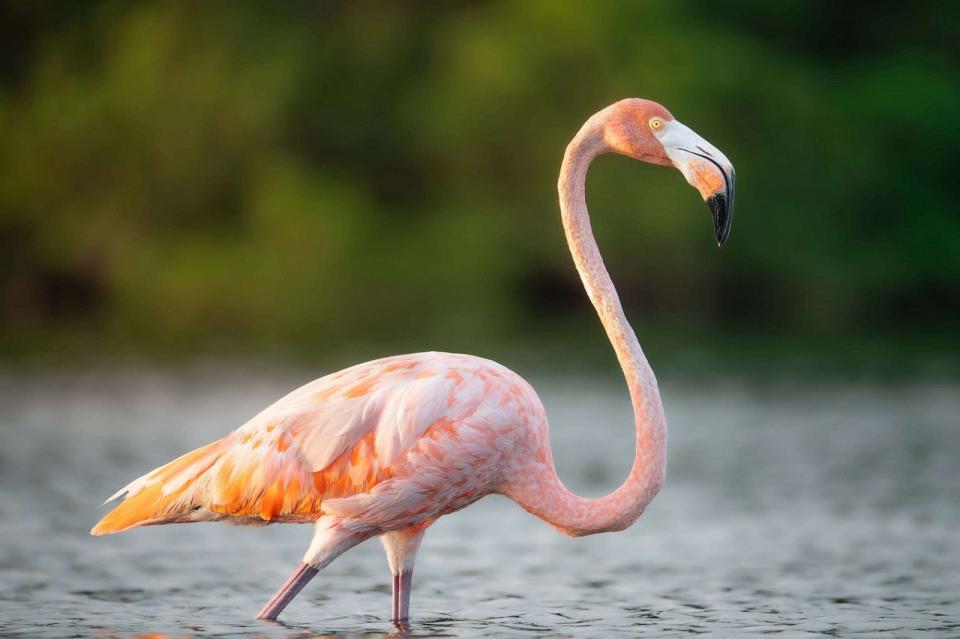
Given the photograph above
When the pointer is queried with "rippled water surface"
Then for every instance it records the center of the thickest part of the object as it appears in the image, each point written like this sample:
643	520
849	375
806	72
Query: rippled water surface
789	509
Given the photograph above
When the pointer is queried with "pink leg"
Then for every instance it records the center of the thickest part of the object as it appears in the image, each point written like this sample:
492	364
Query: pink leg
293	585
401	597
395	611
401	547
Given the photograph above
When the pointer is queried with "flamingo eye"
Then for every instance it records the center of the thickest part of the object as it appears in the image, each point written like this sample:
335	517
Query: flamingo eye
656	123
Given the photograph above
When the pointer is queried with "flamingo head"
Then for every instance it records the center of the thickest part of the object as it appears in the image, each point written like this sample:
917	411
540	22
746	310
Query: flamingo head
646	131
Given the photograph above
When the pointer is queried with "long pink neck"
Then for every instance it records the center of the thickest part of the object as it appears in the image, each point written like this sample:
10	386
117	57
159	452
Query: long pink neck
547	497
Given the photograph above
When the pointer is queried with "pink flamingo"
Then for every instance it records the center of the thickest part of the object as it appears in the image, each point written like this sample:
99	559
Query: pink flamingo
386	447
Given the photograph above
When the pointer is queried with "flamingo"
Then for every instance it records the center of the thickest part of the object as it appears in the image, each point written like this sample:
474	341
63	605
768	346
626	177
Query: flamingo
384	448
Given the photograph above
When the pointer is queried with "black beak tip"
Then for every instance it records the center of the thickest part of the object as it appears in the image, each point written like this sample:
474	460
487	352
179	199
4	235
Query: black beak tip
722	211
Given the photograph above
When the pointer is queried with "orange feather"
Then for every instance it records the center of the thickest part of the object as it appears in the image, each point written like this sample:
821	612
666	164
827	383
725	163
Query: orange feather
151	505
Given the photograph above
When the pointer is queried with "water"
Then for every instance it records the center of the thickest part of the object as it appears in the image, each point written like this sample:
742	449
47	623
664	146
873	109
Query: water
793	510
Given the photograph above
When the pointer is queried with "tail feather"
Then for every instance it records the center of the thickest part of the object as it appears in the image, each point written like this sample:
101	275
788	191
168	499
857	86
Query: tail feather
161	495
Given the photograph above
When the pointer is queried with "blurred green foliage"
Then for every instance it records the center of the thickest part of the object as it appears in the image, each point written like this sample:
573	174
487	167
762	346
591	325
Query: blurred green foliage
178	176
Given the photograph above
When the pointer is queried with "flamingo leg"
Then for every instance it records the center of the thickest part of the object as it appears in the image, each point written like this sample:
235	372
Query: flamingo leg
293	585
395	611
402	585
401	547
330	540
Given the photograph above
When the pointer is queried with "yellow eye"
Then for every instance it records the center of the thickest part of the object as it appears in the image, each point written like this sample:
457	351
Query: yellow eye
656	123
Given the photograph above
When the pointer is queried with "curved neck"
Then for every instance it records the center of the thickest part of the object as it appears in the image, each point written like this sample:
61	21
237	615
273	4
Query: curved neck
549	499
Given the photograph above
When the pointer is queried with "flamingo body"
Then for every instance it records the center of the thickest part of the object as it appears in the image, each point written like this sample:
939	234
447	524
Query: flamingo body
386	447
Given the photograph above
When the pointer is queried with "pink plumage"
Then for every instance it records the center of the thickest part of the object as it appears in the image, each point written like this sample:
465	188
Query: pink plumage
386	447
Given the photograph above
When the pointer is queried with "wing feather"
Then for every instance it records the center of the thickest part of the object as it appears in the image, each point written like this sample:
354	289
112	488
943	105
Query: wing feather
335	437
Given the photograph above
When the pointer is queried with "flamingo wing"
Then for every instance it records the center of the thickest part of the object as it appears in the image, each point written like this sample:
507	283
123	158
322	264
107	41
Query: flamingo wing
334	438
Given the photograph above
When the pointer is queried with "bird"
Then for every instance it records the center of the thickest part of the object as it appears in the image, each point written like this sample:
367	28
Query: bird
385	448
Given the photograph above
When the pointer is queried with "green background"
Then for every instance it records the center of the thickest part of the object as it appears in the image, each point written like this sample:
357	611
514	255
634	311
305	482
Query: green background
335	181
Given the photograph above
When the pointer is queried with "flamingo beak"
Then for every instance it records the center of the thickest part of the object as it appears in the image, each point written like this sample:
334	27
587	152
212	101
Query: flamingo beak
721	207
706	169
